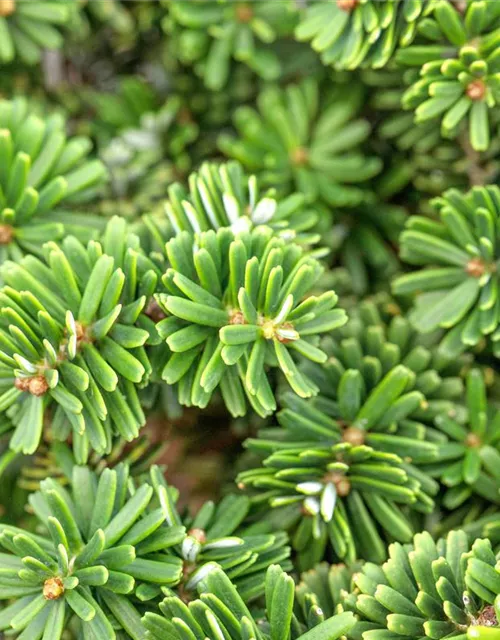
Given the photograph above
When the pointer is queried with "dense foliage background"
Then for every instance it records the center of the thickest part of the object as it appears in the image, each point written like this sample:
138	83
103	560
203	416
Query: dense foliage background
249	319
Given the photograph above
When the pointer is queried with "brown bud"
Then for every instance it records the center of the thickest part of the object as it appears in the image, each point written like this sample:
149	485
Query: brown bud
487	617
22	384
244	13
476	90
354	435
80	331
7	7
38	386
460	5
347	5
475	267
299	156
393	309
236	317
154	311
473	441
6	231
53	588
343	487
198	534
342	484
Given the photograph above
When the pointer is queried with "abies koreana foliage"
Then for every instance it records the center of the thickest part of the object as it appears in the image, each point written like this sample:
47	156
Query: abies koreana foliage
351	477
377	338
42	170
208	35
443	589
220	612
236	303
456	53
457	288
135	131
223	196
249	320
101	541
219	533
468	461
73	341
348	35
27	28
308	139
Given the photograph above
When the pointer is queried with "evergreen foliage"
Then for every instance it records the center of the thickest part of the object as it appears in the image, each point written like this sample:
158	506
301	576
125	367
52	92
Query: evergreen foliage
377	338
469	462
41	169
430	590
222	196
458	290
321	591
114	14
432	163
26	28
362	244
464	88
347	476
236	303
221	613
219	534
134	132
305	139
95	549
349	34
249	320
72	341
209	35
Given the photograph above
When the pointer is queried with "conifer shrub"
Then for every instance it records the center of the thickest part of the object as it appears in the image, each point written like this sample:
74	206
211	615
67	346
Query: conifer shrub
249	320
